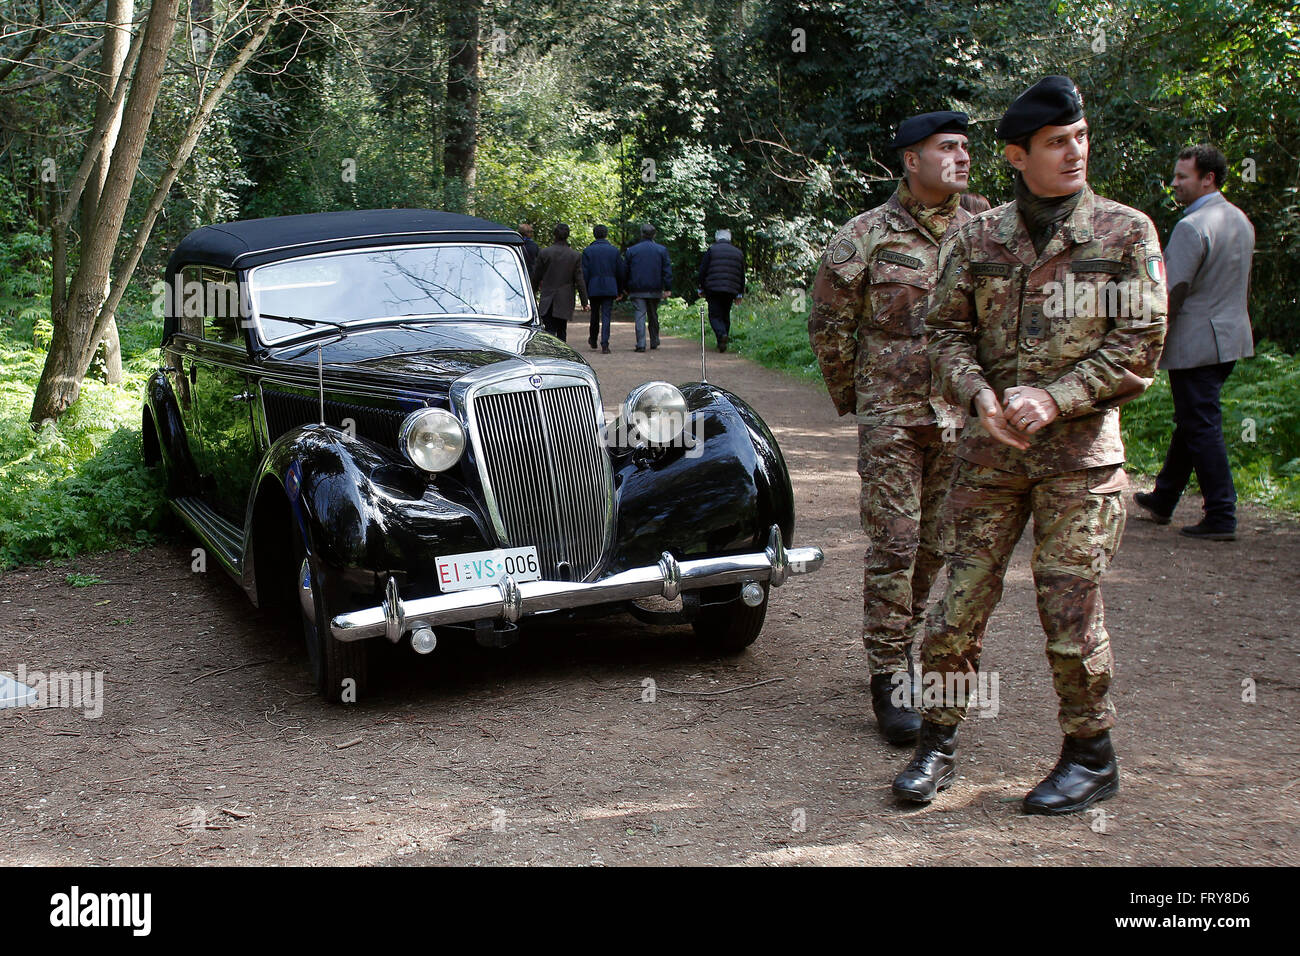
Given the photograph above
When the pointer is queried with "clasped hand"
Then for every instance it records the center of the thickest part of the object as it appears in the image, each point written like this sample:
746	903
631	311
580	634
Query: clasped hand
1027	410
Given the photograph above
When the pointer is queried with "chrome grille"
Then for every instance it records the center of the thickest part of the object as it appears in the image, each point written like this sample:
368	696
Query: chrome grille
546	475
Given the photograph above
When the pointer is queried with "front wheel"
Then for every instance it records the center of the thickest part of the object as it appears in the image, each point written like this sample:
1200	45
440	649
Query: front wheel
339	669
731	626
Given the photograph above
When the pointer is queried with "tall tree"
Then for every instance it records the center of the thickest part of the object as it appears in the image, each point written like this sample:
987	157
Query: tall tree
460	146
117	39
76	313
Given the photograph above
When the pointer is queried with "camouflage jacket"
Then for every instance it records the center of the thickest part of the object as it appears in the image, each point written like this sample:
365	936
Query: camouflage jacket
867	324
1085	321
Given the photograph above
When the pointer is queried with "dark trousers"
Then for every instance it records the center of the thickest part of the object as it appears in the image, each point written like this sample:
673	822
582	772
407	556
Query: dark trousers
720	313
557	327
602	308
1197	445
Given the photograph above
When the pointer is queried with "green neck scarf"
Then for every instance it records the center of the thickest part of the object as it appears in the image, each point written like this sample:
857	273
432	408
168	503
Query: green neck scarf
933	219
1043	215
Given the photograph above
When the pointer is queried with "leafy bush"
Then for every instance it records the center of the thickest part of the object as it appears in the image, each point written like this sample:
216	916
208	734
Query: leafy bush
79	484
1261	426
766	331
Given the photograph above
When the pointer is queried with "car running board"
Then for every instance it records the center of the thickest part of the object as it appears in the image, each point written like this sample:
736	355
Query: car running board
226	540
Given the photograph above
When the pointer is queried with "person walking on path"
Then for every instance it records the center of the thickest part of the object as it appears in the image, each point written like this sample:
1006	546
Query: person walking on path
555	277
530	247
1208	261
1043	379
649	279
867	328
605	273
721	282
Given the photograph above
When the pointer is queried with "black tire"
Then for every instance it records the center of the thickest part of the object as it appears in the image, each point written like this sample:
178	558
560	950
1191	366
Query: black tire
731	627
340	670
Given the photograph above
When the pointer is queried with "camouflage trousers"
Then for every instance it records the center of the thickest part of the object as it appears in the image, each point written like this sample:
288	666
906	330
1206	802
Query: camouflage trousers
905	474
1078	521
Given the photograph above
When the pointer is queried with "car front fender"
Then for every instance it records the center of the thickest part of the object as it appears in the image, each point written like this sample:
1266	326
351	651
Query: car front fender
363	513
169	427
718	490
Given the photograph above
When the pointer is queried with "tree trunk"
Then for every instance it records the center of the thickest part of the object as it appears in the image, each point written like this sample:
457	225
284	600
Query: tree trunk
74	324
459	154
59	224
117	37
192	133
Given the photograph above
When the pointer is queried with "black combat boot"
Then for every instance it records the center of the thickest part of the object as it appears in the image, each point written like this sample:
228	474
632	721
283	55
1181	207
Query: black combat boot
1086	773
933	766
899	724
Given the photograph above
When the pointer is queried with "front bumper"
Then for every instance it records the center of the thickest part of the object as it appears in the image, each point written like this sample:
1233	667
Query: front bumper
509	601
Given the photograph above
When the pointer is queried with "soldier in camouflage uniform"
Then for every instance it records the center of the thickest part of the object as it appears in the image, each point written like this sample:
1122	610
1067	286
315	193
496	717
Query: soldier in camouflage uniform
867	328
1049	313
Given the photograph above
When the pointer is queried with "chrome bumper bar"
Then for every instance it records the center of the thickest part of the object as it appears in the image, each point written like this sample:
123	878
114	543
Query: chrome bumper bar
509	601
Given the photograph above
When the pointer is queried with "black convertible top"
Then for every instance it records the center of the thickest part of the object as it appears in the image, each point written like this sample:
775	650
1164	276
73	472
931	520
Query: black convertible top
251	242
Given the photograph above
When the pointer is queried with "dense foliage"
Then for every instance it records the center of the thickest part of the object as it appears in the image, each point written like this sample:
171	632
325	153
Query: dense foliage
78	484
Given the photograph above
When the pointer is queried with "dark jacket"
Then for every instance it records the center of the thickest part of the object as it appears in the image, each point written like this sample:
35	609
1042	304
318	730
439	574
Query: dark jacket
648	269
604	269
722	270
530	253
558	270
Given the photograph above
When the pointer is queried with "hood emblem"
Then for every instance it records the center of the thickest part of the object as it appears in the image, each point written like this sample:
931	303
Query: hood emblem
535	381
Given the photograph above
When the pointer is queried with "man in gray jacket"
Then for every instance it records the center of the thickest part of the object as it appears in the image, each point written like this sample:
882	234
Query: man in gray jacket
1208	261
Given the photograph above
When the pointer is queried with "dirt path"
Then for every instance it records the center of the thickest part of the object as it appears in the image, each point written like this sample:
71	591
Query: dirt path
212	748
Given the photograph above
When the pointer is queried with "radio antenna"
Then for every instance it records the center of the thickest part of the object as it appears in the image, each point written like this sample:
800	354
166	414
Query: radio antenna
320	380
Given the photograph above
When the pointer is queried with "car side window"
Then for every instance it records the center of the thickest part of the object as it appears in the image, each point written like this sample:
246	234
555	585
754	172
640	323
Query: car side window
221	312
189	302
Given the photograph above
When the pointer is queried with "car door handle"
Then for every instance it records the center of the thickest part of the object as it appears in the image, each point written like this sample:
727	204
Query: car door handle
242	397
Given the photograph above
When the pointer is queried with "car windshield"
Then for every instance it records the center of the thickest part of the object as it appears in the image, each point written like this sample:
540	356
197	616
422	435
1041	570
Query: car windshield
427	281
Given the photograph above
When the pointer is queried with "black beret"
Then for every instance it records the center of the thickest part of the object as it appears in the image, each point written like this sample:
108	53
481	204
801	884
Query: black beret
1052	101
916	128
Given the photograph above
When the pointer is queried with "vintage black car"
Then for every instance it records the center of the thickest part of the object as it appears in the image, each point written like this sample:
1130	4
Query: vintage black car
360	416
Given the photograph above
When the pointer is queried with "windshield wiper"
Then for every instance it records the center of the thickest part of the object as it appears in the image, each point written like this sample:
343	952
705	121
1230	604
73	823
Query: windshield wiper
298	320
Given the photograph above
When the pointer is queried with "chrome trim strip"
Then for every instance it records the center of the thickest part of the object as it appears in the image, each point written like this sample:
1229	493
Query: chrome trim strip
394	615
224	538
509	601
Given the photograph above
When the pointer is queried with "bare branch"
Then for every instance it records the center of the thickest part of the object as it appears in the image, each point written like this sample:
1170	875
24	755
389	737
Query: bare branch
196	126
41	33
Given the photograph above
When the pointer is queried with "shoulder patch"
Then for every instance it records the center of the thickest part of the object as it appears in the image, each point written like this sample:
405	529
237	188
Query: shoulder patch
889	255
842	252
1156	268
991	269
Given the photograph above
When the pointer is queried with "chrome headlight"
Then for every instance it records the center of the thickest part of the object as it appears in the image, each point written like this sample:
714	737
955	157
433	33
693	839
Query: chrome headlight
657	411
432	438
